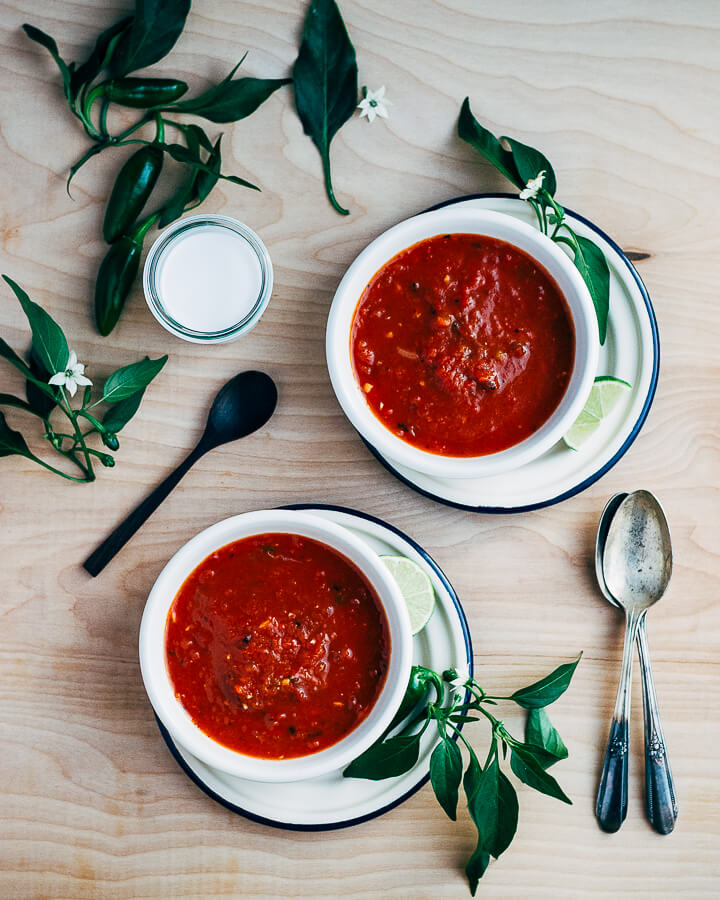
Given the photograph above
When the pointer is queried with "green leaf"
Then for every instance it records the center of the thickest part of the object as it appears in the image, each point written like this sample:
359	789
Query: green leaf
7	353
325	75
494	809
530	772
130	379
156	26
49	44
196	137
483	806
120	413
548	689
445	774
39	400
75	168
101	55
540	732
187	156
197	188
485	142
205	181
540	754
386	759
12	443
507	815
591	264
529	162
472	777
476	866
48	339
16	403
231	101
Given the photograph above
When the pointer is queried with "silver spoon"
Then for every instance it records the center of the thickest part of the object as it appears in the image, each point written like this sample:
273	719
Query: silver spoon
636	567
660	799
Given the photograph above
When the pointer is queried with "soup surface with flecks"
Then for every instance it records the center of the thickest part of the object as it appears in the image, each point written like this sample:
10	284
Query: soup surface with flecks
463	345
277	646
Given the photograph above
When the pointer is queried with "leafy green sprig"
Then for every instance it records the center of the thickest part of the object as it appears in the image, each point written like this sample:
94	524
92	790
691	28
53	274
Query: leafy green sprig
49	356
103	81
530	171
491	798
136	42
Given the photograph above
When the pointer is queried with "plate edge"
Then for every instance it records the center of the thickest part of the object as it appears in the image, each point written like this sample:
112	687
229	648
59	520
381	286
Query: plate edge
358	820
596	476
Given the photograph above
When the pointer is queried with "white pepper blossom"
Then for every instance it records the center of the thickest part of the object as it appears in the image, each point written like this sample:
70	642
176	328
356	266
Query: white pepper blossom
531	189
374	103
71	376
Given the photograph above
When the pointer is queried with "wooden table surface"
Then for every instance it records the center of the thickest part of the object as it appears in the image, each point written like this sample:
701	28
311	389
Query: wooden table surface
623	97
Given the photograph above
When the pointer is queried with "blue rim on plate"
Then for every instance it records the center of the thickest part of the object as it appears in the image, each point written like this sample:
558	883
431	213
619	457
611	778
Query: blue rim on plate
331	826
578	488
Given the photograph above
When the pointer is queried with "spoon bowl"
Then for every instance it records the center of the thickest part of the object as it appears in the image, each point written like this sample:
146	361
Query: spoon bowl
611	508
637	560
240	407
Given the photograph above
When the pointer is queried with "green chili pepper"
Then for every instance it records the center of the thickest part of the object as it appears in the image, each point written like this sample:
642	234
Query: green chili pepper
131	190
142	93
116	275
419	684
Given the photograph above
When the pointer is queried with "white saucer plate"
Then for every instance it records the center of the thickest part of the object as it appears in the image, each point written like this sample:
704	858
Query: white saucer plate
631	352
332	801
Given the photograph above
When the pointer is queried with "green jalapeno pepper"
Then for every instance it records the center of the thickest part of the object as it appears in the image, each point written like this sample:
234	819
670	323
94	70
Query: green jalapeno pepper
141	93
116	275
131	190
419	684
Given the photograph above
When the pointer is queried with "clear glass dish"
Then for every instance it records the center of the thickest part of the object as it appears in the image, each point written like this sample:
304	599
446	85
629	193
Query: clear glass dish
249	308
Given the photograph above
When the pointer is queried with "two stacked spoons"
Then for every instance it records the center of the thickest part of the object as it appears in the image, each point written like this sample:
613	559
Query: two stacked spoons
633	564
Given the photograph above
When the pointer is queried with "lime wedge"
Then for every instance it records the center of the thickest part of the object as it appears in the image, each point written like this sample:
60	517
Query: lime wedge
604	397
416	588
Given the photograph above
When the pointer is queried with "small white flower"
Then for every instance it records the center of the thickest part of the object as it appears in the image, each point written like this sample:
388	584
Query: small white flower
530	191
461	677
71	376
374	103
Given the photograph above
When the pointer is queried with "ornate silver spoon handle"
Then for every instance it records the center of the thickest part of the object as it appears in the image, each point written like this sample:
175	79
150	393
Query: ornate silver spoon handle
612	799
660	799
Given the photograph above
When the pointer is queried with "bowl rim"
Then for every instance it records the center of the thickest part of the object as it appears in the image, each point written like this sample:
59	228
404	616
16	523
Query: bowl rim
404	235
157	680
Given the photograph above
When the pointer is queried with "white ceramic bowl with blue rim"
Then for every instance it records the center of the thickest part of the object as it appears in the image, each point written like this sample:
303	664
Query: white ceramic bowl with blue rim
470	221
173	714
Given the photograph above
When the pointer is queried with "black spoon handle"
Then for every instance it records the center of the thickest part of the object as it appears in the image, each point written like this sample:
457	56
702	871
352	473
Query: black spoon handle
612	800
660	800
99	558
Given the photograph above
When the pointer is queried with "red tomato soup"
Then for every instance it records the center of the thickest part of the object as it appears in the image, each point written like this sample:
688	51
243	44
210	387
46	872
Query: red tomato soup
463	345
277	646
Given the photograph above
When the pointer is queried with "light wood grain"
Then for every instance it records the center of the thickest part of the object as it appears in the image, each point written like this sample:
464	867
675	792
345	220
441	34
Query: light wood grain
624	98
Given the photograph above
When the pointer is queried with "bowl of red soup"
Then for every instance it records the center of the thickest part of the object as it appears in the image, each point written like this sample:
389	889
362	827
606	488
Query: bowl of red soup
462	343
275	646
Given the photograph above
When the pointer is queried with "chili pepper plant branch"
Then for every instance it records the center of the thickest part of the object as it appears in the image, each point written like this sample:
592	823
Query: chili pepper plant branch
533	175
105	80
51	374
491	799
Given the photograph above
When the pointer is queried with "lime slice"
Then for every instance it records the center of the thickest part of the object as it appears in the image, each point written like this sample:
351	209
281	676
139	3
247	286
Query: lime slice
604	397
415	587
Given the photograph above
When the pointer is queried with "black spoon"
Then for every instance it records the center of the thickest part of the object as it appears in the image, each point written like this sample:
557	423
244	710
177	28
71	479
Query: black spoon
242	406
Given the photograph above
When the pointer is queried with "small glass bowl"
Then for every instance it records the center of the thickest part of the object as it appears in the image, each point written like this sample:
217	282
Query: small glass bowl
151	279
